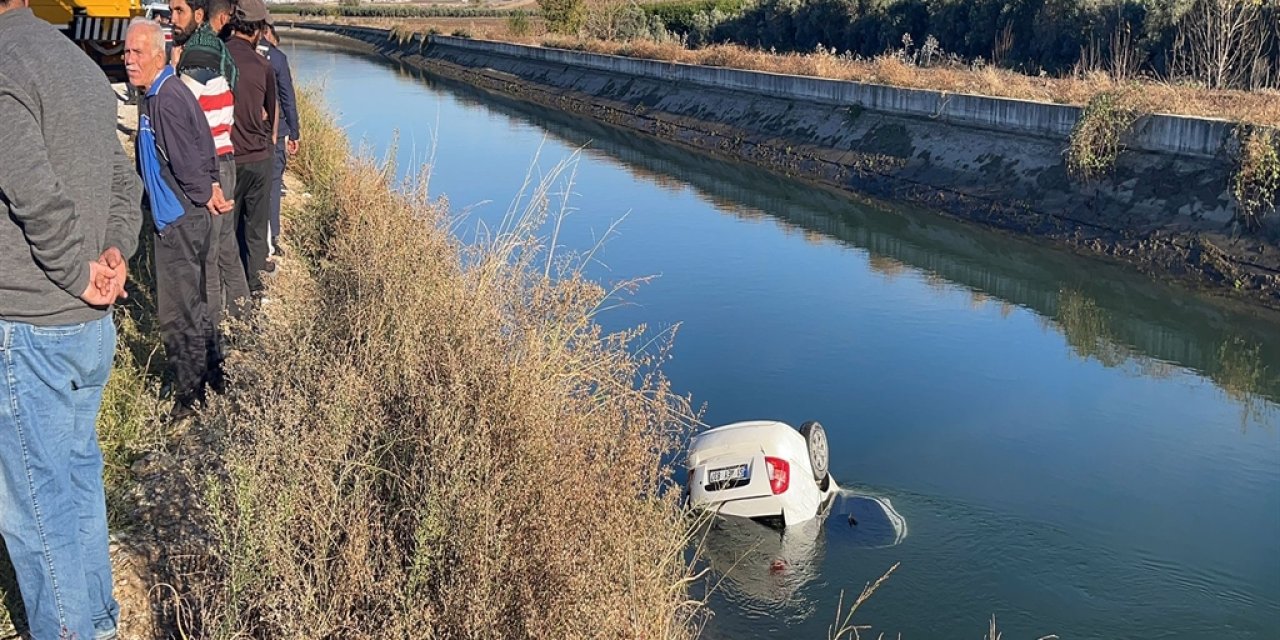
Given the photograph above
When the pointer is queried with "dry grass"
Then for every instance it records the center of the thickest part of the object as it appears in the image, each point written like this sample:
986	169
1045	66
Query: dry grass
844	626
435	440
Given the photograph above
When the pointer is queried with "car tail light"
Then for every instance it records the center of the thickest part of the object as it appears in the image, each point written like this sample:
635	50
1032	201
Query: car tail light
779	474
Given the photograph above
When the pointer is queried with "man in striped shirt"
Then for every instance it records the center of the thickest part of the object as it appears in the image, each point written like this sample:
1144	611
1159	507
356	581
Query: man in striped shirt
208	70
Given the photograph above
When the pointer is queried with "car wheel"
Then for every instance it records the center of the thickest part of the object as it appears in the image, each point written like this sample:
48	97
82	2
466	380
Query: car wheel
815	437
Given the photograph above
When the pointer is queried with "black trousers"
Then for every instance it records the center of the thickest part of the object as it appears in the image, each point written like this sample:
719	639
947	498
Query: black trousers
253	214
185	328
224	281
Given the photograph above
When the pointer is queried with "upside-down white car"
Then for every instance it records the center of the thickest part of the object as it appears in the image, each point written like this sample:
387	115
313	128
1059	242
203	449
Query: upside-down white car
764	470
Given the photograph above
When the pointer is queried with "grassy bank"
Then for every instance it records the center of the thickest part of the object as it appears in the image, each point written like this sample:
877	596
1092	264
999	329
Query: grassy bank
435	440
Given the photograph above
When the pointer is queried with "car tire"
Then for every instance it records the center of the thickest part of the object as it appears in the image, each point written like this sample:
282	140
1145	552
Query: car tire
815	439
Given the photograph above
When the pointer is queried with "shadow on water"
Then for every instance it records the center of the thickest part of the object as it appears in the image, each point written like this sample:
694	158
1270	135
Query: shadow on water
1106	313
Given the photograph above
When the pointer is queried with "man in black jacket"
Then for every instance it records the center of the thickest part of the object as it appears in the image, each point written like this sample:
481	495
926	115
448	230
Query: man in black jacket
255	113
179	169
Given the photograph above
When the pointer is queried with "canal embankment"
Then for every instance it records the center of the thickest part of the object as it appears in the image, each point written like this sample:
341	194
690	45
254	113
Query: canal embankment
1166	207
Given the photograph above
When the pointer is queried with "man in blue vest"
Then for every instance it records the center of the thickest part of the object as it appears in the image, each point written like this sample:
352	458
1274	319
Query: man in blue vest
179	168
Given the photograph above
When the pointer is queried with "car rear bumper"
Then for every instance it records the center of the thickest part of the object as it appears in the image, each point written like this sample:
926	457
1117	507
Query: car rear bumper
791	508
765	507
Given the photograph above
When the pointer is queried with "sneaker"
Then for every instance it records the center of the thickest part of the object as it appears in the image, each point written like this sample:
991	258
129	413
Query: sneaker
277	250
269	267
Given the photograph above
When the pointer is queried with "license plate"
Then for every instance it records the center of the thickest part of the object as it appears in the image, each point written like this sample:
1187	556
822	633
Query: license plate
728	474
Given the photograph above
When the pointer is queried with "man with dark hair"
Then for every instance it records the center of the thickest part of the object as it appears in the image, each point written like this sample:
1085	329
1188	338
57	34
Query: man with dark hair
180	171
205	66
69	219
196	33
255	113
219	16
287	132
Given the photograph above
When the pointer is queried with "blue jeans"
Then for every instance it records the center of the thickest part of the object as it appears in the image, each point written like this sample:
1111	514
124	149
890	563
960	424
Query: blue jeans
53	512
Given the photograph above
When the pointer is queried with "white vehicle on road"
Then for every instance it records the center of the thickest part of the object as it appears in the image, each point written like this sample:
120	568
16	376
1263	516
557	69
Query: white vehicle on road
764	470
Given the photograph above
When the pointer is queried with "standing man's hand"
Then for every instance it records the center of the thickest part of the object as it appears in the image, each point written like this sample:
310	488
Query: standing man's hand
218	205
101	290
291	146
114	260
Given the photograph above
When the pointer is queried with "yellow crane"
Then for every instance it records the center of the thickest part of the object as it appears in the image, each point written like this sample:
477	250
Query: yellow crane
97	26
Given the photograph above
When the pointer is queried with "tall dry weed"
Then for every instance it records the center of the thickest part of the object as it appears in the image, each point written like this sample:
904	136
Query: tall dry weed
436	440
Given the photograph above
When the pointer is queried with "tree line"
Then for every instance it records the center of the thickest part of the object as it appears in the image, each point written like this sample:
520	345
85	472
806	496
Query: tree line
399	11
1220	43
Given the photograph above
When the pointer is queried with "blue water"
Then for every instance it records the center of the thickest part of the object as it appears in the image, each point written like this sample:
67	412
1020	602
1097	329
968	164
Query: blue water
1077	450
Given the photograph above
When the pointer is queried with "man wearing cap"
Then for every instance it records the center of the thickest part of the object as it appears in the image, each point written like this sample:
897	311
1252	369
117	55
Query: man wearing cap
255	120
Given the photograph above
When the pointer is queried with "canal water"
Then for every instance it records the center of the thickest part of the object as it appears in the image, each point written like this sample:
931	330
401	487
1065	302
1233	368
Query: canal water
1073	448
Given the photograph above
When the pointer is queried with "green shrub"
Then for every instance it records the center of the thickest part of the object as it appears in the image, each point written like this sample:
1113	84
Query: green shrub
518	23
1256	183
681	16
1098	137
564	16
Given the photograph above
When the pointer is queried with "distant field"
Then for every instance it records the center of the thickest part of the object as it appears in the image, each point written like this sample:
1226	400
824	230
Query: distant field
477	27
301	7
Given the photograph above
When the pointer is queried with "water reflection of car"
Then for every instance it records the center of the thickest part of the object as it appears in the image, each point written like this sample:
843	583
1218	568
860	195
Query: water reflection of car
765	570
762	470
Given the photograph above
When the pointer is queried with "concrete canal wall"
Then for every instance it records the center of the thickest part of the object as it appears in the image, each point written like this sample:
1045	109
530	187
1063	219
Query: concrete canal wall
1167	207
